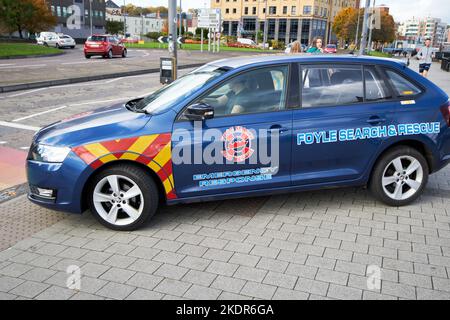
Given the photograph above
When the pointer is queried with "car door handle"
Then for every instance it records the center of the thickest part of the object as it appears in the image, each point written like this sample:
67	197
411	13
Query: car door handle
279	128
375	120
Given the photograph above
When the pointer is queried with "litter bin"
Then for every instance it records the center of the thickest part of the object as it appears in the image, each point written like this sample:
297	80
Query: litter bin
445	65
167	70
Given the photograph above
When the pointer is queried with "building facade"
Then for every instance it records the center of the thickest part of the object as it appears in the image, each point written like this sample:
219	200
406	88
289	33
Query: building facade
416	30
135	26
287	20
79	26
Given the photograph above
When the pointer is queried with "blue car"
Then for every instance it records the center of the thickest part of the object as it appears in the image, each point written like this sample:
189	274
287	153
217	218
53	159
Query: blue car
249	126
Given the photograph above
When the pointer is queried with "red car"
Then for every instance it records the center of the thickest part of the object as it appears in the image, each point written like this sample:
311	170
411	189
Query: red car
105	46
331	48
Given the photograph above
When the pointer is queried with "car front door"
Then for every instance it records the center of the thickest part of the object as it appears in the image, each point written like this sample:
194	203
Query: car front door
246	146
341	123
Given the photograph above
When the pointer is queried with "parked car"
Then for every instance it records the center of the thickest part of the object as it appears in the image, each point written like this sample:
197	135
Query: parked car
60	41
330	48
104	45
331	121
43	37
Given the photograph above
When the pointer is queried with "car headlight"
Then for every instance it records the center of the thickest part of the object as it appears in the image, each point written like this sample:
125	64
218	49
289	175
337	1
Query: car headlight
52	154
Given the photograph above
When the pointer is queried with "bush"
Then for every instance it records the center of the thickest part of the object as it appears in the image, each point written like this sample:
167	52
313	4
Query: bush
277	44
153	35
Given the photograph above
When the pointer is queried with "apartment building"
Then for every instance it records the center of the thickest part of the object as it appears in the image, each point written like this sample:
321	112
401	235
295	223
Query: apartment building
416	30
64	12
287	20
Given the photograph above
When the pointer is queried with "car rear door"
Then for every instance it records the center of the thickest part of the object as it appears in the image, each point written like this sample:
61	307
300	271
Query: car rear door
341	123
246	146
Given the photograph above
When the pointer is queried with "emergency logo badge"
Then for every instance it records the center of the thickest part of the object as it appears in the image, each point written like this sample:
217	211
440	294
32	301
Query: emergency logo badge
238	144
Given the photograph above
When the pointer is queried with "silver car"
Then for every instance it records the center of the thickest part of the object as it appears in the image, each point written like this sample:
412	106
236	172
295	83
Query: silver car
60	41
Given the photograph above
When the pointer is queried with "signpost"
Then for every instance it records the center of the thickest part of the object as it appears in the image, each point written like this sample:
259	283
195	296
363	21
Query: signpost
210	19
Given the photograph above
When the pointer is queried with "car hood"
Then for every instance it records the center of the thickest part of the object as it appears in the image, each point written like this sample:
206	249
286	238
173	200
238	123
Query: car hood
102	124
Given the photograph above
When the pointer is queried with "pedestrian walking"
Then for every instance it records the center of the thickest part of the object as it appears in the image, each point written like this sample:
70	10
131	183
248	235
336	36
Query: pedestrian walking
425	56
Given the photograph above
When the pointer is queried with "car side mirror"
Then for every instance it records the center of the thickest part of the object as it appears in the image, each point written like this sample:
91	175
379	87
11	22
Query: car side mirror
199	112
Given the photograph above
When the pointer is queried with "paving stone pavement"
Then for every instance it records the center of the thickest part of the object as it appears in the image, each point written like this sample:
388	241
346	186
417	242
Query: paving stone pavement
312	245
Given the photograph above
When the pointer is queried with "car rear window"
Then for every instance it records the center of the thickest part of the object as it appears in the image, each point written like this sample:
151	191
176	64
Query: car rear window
402	86
97	38
331	86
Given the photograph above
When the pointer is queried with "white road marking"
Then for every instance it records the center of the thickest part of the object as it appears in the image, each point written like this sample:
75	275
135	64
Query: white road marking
3	142
6	64
24	148
26	92
24	66
39	113
18	126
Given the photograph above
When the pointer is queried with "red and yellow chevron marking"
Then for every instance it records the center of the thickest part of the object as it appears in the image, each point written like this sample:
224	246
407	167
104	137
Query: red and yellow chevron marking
153	151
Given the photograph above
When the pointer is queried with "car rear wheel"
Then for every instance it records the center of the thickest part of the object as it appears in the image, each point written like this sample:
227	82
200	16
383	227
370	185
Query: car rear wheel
57	46
87	56
124	53
123	197
400	176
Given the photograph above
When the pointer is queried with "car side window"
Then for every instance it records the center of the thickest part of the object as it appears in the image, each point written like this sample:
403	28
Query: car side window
402	86
255	91
331	85
376	89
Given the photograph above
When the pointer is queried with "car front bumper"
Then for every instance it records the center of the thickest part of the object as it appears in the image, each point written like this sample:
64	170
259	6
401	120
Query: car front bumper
66	180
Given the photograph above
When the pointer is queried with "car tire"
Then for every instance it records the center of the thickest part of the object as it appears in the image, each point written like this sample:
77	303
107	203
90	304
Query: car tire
139	209
45	44
109	54
399	176
72	47
87	56
57	46
124	53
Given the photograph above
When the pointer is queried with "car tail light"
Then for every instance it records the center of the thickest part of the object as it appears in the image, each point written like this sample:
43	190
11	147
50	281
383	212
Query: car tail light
445	109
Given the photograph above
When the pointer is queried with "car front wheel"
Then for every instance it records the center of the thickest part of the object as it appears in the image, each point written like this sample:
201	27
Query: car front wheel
400	176
124	53
123	197
110	54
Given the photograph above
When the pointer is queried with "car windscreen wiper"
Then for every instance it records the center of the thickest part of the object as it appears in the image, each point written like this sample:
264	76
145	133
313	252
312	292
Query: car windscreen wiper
131	105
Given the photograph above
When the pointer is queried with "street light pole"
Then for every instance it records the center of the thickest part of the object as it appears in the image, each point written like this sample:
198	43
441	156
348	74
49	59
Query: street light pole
372	16
181	19
124	20
362	49
266	27
357	28
90	16
173	34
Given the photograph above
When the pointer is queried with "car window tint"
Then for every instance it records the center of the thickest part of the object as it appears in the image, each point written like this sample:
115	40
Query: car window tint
331	86
260	90
376	88
402	86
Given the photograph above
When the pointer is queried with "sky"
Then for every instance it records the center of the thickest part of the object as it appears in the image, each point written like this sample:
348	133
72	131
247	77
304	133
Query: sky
400	9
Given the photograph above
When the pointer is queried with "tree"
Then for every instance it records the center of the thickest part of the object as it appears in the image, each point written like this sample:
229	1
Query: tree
345	26
114	27
31	15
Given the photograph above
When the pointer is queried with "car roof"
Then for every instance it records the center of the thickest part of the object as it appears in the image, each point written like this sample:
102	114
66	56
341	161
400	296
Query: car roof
238	62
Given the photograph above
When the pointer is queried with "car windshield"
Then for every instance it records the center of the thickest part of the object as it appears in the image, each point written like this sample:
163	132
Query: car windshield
97	38
164	98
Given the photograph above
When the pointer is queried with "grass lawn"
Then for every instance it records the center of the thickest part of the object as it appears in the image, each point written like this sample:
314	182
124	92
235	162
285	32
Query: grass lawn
24	49
379	54
187	46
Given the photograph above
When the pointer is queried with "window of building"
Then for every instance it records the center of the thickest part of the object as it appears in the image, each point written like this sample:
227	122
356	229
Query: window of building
307	9
272	10
293	10
285	9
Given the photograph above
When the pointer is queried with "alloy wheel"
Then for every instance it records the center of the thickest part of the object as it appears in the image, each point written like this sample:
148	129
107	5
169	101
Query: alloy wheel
118	200
402	178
